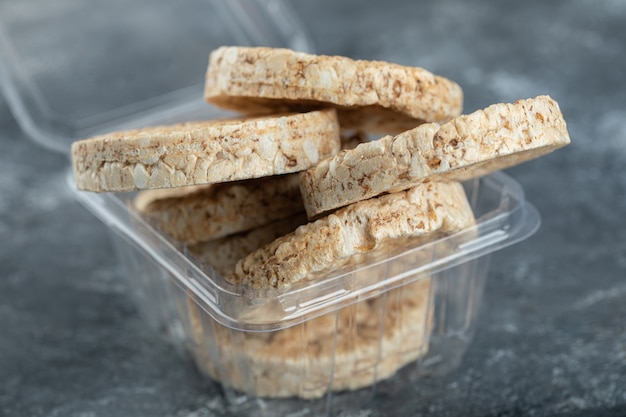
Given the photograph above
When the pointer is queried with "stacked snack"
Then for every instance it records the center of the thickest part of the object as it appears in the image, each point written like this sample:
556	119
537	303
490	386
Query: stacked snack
244	210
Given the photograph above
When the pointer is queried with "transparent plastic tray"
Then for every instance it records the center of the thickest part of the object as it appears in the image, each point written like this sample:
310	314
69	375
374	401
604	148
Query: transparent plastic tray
224	326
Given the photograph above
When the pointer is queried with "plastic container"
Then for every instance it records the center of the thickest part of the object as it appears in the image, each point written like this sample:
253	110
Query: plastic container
223	327
314	349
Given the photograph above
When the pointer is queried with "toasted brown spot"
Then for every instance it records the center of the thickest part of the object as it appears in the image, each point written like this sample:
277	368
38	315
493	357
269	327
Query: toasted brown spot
434	162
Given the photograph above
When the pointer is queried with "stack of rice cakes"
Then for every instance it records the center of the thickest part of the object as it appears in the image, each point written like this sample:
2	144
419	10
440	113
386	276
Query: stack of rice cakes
287	194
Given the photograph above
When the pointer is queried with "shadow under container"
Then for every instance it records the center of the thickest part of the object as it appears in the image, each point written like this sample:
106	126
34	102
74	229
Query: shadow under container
325	346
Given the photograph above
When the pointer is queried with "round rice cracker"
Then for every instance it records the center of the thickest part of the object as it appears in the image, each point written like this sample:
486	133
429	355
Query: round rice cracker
468	146
206	152
357	233
349	349
206	212
372	96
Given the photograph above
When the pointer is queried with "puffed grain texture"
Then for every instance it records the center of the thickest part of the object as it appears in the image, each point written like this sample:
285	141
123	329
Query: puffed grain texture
469	146
370	95
208	152
224	253
349	349
365	227
206	212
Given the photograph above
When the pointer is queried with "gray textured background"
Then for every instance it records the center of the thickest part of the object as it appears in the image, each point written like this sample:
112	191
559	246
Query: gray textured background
552	334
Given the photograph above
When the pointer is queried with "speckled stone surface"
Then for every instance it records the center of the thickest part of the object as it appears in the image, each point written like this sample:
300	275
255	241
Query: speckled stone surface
551	340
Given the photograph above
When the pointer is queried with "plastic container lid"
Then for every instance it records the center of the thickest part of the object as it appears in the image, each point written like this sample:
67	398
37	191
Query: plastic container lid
74	68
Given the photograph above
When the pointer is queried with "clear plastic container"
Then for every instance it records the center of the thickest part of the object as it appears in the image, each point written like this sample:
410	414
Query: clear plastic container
316	348
315	328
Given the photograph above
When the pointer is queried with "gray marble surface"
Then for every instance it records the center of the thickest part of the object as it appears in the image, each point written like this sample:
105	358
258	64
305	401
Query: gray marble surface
551	340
